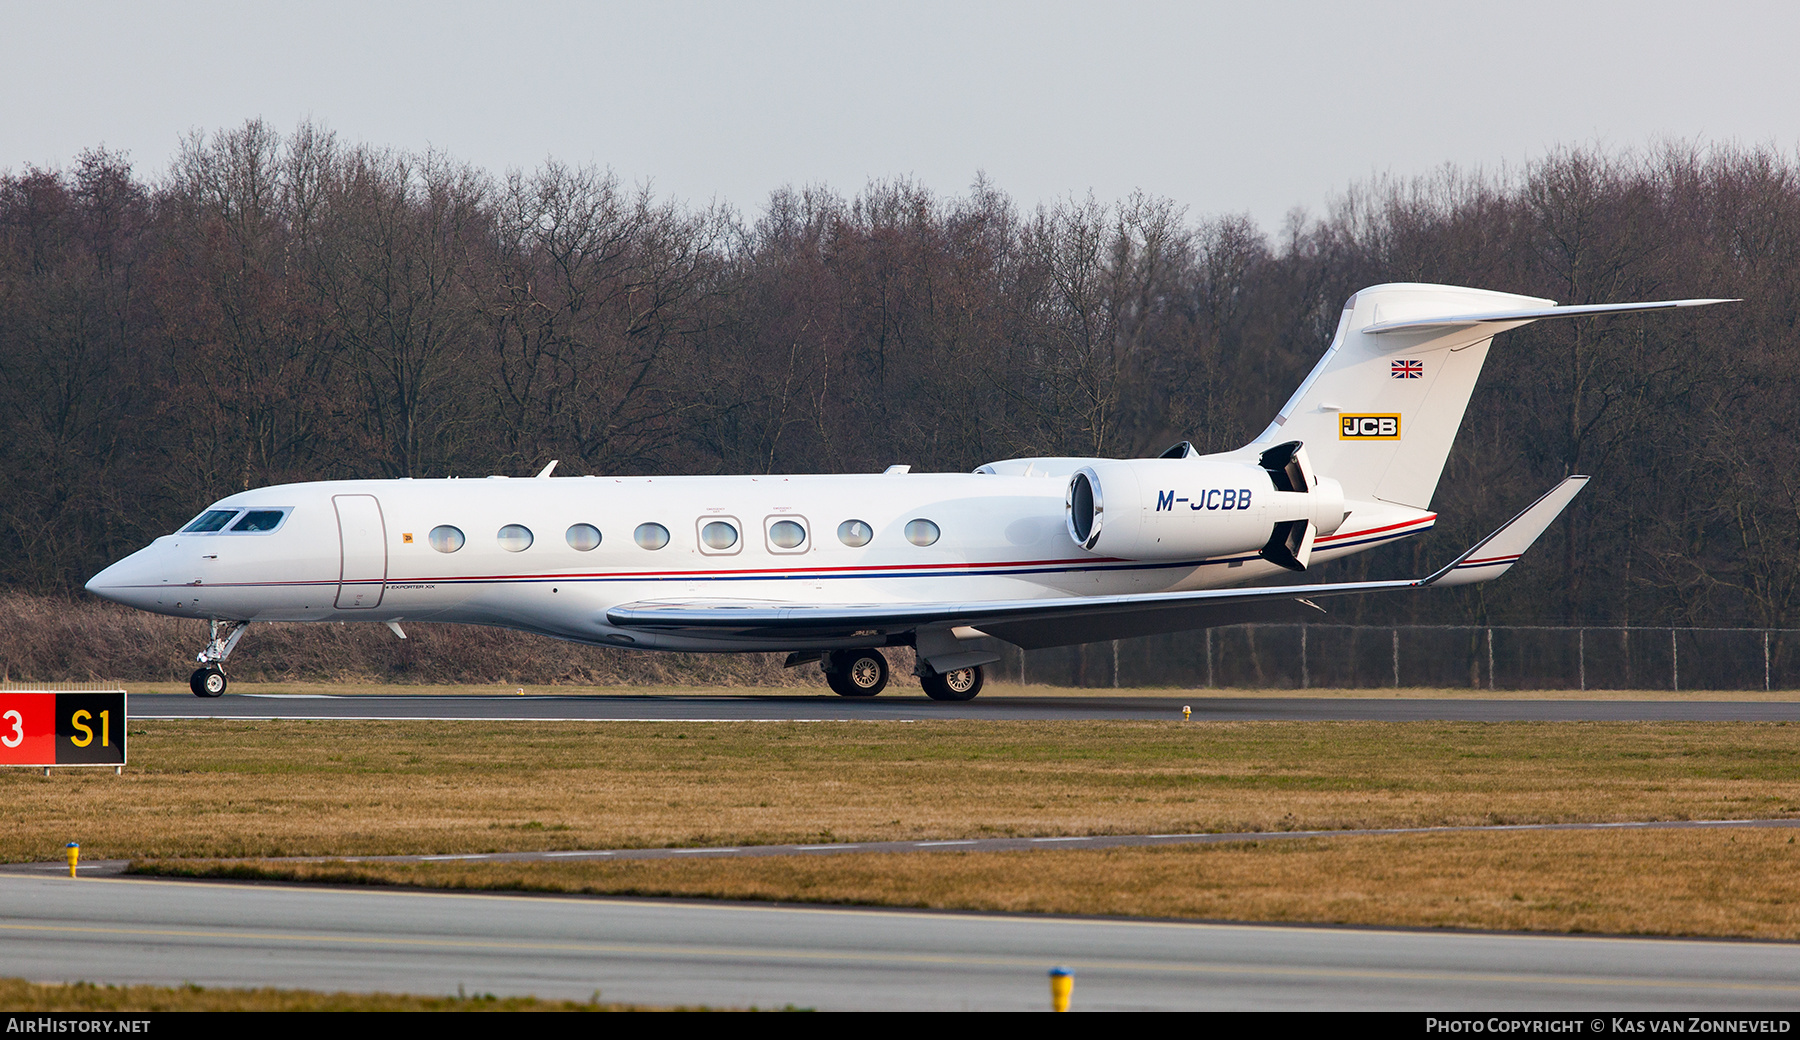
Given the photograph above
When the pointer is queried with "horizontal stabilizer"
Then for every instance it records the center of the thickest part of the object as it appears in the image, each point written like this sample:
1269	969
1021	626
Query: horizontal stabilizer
1536	314
1382	407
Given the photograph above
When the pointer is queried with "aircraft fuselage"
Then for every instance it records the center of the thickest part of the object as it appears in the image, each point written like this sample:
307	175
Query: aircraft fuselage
363	550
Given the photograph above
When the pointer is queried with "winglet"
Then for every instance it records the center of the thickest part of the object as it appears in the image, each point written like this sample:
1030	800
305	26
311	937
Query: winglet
1490	557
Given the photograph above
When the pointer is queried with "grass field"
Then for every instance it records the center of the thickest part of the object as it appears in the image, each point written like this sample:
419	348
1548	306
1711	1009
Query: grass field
214	789
21	995
239	788
1742	883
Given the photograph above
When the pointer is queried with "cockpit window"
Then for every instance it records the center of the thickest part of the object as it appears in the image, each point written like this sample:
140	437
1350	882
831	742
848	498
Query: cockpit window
259	520
210	521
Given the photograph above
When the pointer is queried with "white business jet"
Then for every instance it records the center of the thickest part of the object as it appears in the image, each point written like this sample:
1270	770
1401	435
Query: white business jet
1035	552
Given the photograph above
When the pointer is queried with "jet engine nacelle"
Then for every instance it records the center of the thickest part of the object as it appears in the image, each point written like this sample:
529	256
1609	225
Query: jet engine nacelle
1183	509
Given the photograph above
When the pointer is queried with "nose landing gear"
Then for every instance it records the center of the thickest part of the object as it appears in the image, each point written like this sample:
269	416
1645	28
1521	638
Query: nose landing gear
209	679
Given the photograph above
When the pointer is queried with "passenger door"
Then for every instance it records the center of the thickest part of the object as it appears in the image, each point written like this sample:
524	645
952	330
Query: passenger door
362	540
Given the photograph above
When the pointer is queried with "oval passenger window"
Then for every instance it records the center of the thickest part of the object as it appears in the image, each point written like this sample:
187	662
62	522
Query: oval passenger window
515	538
584	537
921	532
855	533
445	539
650	536
786	534
718	535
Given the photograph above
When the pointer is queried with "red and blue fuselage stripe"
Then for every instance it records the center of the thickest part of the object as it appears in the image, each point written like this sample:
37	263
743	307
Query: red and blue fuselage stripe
908	570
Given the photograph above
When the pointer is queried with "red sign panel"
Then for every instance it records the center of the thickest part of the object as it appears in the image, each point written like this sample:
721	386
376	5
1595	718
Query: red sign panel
62	729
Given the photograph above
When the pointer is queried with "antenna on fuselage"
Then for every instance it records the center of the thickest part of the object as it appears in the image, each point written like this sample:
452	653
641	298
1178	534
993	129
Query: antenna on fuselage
545	472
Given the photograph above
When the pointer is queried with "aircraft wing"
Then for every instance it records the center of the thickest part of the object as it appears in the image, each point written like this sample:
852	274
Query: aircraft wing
1037	623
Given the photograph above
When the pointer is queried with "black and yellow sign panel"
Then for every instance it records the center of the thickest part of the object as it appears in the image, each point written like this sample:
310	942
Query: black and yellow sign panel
62	729
1384	427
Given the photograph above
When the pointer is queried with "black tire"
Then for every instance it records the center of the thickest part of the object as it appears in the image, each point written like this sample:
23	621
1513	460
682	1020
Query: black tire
960	684
208	681
857	673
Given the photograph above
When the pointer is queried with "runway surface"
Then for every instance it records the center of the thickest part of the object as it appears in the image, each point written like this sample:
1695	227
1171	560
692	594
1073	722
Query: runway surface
210	934
790	708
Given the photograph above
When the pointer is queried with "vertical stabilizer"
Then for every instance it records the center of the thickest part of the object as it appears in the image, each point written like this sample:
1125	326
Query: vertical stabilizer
1380	410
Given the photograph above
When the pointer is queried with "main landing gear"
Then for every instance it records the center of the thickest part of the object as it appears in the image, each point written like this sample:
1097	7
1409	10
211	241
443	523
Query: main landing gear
864	673
958	684
855	673
209	679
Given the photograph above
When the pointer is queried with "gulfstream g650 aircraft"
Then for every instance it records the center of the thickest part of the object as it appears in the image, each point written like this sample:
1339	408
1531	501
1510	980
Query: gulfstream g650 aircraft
1035	552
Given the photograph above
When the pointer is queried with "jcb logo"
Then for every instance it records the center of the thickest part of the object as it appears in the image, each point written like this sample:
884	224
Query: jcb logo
1370	428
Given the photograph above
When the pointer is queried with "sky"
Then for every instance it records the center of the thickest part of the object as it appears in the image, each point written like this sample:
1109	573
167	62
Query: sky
1224	108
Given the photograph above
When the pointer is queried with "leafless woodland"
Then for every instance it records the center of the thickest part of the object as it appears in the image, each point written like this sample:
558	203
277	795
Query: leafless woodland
279	307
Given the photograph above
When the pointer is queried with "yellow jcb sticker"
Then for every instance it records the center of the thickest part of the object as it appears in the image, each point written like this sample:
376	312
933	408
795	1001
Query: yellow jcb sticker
1370	428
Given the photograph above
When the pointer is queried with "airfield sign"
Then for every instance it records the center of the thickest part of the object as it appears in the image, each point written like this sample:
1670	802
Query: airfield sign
62	728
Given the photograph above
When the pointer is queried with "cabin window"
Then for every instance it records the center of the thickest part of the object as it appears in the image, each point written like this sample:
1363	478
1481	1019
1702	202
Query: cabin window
259	520
921	532
210	521
584	537
718	536
650	536
515	538
855	533
787	536
445	539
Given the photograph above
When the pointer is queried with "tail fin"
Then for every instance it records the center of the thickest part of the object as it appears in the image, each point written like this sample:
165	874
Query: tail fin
1380	410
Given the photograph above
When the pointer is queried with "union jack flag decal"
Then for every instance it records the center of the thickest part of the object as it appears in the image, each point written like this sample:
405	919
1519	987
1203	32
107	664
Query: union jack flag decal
1408	369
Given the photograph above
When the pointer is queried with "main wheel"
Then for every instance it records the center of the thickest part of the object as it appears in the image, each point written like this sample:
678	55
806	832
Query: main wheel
208	681
857	673
961	684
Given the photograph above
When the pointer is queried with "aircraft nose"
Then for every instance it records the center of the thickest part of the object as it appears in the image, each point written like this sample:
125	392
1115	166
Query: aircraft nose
128	581
107	584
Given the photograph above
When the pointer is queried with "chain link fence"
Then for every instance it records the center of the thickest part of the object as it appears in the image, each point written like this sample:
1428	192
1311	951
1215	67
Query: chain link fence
1517	657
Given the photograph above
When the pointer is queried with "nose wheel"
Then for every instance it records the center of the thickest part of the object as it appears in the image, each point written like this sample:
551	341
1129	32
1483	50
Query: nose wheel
208	681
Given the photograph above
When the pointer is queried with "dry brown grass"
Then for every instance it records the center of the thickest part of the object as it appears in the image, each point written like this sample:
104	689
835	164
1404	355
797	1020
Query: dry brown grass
60	639
18	995
1718	883
1410	693
53	639
235	789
